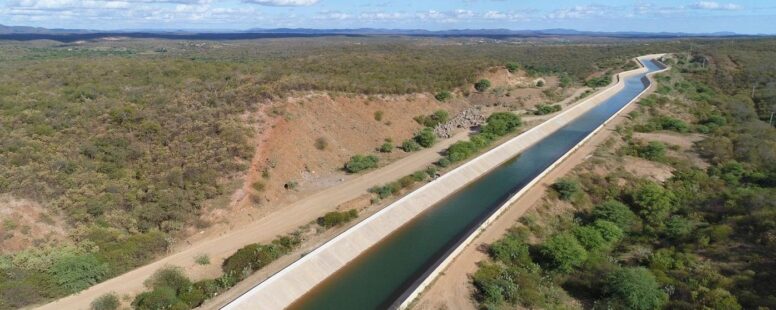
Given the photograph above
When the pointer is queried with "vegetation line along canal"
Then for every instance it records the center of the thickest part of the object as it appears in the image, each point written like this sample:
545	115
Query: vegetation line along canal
377	277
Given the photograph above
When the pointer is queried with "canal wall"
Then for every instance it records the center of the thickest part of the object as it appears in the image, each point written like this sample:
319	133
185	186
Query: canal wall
291	283
428	278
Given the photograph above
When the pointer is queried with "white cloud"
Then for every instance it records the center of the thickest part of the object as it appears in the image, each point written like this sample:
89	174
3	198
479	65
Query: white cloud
579	12
283	2
509	16
711	5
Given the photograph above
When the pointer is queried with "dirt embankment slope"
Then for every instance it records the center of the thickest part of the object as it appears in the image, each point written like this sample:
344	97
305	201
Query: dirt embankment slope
288	149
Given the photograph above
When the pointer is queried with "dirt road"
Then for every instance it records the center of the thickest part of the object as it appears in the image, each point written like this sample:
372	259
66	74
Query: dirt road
285	220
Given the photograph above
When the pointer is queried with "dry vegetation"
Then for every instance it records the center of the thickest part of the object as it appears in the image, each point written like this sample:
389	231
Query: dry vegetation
122	143
676	211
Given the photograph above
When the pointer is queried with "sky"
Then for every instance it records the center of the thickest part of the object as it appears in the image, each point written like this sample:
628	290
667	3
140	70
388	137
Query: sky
741	16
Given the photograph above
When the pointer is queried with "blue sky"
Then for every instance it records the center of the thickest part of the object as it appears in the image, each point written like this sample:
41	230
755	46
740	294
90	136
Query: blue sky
742	16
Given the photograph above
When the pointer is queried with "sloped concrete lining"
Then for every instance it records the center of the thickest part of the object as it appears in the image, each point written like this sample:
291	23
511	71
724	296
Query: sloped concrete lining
291	283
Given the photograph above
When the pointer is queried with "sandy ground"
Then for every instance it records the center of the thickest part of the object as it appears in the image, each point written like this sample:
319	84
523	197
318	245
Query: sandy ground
290	138
452	289
286	219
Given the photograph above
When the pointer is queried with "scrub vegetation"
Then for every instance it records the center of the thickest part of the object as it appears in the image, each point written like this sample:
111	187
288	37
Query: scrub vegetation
128	141
702	239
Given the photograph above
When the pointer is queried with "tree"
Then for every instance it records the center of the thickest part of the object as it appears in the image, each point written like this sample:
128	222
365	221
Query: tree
359	163
482	85
615	212
654	202
426	137
77	272
589	237
564	252
609	231
635	288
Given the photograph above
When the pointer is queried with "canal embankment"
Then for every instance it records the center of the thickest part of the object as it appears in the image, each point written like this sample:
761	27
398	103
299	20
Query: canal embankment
288	285
499	222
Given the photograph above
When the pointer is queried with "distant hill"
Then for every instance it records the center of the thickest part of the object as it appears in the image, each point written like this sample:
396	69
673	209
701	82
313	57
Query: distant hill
486	32
37	30
24	33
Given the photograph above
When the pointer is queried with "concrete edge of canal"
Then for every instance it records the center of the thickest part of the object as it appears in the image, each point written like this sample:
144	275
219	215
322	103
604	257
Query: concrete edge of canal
411	295
283	288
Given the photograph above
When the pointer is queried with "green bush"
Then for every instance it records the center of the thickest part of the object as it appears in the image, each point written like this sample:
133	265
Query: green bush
387	147
678	227
431	171
590	238
420	175
426	137
106	302
378	115
501	123
493	284
158	298
241	261
202	259
663	123
337	218
360	163
443	162
609	230
566	189
615	212
654	202
460	151
255	256
511	250
635	288
78	272
543	109
170	277
600	81
443	96
512	67
436	118
410	146
482	85
564	252
654	150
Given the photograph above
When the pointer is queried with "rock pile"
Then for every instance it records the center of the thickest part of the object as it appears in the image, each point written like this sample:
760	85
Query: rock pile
465	119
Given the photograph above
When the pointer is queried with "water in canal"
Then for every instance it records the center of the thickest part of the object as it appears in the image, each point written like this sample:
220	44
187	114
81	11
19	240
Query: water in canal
379	276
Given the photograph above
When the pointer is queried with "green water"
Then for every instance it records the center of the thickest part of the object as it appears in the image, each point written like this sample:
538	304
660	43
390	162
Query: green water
378	277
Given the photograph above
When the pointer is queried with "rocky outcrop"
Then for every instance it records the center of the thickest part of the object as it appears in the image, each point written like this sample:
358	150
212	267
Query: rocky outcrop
468	118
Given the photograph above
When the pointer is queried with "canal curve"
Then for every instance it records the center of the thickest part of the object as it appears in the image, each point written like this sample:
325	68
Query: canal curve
385	272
